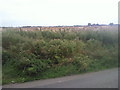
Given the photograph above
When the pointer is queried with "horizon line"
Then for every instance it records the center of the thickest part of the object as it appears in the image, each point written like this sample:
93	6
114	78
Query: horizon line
58	25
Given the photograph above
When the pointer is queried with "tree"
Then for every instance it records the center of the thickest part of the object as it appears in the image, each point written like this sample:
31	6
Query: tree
111	24
89	24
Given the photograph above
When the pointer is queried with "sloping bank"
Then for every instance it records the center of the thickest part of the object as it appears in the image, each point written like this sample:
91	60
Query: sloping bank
42	54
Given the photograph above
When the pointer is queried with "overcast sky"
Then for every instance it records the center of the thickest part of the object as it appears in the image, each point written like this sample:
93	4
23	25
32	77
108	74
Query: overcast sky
57	12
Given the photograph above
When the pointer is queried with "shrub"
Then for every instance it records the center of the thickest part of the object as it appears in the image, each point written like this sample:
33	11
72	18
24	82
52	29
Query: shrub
33	53
31	66
6	56
81	62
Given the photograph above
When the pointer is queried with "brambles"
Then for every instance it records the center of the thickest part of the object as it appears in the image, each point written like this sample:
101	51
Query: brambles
38	53
81	62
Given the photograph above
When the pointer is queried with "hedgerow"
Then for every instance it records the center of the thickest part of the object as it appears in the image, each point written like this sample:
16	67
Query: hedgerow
34	53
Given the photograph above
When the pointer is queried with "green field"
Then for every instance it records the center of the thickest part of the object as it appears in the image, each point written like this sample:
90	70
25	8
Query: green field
33	55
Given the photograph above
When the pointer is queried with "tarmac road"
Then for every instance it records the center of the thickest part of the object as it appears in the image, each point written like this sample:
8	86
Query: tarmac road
102	79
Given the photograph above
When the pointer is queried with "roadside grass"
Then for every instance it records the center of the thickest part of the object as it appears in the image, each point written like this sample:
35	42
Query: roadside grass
60	71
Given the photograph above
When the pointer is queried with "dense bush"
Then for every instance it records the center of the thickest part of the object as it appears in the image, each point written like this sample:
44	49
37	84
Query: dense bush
33	53
81	62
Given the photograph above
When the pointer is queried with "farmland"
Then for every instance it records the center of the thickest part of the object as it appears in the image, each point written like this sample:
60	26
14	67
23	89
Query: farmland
33	53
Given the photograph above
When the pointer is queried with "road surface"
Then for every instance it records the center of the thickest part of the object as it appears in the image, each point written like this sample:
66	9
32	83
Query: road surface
102	79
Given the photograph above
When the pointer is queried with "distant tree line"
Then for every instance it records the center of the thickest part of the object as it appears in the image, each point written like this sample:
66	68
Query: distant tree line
89	24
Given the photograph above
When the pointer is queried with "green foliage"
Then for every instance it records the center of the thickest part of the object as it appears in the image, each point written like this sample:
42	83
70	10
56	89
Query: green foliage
70	36
27	55
51	35
6	56
81	62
